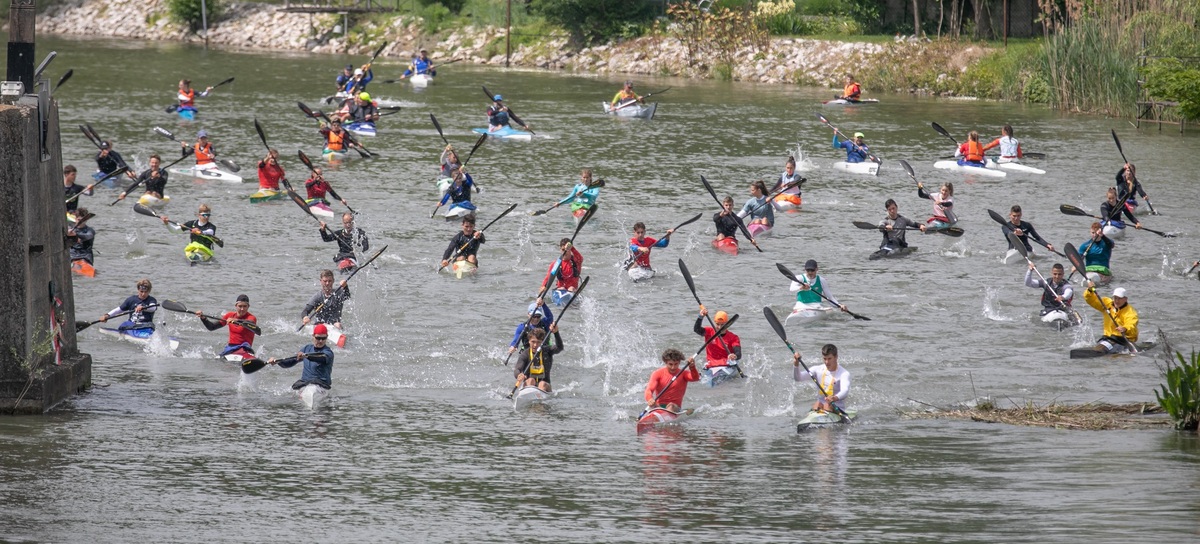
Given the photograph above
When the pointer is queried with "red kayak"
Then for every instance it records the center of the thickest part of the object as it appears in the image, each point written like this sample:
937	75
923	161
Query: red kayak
347	265
660	416
726	245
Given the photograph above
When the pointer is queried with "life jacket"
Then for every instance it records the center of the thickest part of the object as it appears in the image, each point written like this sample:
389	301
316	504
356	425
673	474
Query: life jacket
974	152
316	188
335	141
536	367
187	98
810	296
568	270
204	153
642	259
852	91
1048	300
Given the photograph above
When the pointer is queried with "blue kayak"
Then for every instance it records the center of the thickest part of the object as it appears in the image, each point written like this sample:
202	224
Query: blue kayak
186	113
365	128
506	133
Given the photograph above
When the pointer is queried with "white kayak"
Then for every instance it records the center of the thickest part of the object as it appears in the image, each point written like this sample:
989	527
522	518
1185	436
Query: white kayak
1098	278
143	337
640	273
844	102
808	313
207	172
336	336
462	269
1013	256
977	170
506	133
458	212
866	167
1116	231
661	416
528	396
420	80
314	396
817	418
150	201
365	128
718	375
1013	165
642	111
1059	319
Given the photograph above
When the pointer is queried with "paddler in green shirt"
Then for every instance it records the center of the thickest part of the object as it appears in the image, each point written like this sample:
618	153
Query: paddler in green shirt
809	286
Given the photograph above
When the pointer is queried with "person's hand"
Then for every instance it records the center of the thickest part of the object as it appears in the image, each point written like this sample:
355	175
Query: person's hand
922	228
89	188
1050	247
199	313
1137	226
344	203
271	361
305	320
164	219
731	357
520	377
301	356
1121	330
343	286
796	359
703	311
554	327
541	302
195	230
1018	232
1091	285
692	362
805	287
843	307
478	234
670	232
512	349
644	250
887	227
323	227
444	263
139	308
104	318
1031	267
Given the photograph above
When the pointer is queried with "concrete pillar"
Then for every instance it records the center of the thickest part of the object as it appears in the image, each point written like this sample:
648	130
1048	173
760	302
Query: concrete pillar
37	304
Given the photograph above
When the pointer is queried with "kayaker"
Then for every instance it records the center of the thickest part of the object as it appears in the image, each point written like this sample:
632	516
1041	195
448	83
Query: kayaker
336	138
70	188
344	77
668	384
540	318
1057	292
326	305
141	307
640	244
1097	252
154	179
240	336
449	163
565	271
856	149
809	285
459	192
584	194
1010	148
270	171
895	226
109	161
834	380
1023	230
852	91
724	351
200	228
1120	321
1129	187
970	153
1112	208
727	222
497	114
350	239
206	154
535	361
358	80
943	215
187	95
789	175
316	188
81	237
362	109
318	361
626	96
758	208
421	64
465	244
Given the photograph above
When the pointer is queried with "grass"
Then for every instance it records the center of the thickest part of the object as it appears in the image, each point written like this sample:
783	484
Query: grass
1088	417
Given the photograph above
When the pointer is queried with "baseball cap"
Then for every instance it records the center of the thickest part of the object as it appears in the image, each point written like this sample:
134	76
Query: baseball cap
534	309
497	98
358	71
365	97
721	317
202	134
810	264
859	135
320	330
1119	292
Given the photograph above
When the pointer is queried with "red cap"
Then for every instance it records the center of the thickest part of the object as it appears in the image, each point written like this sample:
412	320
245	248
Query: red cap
320	330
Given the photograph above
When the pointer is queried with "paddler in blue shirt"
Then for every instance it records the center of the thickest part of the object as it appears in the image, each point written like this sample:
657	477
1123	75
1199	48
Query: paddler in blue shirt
140	307
583	194
856	150
497	114
460	191
318	361
758	208
358	82
1097	252
421	64
344	77
540	317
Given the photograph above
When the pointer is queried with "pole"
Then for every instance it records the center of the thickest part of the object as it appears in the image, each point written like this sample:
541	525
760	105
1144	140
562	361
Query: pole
1006	24
507	33
21	17
204	20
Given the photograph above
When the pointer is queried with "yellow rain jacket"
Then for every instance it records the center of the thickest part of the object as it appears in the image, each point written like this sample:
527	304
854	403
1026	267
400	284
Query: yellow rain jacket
1126	316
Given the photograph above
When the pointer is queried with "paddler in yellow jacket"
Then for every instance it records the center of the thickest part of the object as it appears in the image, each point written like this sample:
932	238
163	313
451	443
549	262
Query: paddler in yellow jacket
626	96
1122	329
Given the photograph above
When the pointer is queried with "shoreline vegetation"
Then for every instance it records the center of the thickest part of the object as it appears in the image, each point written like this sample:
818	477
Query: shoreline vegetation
1089	60
1090	417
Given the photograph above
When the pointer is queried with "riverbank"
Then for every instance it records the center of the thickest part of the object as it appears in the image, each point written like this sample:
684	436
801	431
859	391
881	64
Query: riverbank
785	60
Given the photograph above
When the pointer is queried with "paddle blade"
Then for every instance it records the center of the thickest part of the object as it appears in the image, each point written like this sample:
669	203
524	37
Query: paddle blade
908	168
1017	244
251	366
953	232
1117	141
1073	210
996	217
438	126
262	136
510	208
478	143
787	273
174	306
164	133
689	221
865	225
687	277
708	186
144	210
64	78
942	131
304	159
775	324
230	80
1075	258
307	111
232	166
823	119
81	325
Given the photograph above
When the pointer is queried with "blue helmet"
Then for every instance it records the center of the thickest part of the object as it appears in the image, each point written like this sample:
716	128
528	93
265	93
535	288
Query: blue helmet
497	98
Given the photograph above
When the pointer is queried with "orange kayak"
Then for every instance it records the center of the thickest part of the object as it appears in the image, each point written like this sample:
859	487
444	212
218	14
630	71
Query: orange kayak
726	245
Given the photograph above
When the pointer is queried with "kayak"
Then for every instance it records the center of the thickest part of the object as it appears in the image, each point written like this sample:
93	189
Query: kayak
844	102
888	253
1013	256
151	201
347	265
144	336
463	268
197	253
1100	351
1013	165
458	211
639	273
788	202
364	128
336	336
208	172
319	207
506	133
331	155
634	110
1098	276
726	245
266	195
808	313
421	80
717	375
528	396
110	182
562	296
443	185
661	416
1113	229
314	396
81	267
186	113
817	418
238	355
758	229
865	167
977	170
1059	319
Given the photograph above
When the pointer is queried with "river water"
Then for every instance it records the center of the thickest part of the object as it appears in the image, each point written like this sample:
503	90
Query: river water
420	444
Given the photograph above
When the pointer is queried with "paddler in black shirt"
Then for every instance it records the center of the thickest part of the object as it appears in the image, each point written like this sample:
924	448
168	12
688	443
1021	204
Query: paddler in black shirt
1023	230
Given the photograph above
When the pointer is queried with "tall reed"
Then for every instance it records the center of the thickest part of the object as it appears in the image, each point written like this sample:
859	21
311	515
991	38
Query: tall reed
1090	68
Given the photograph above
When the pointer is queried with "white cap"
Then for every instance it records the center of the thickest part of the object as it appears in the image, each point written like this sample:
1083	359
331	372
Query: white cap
358	71
1119	292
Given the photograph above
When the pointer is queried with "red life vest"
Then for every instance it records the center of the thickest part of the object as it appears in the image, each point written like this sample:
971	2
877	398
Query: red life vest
190	101
204	153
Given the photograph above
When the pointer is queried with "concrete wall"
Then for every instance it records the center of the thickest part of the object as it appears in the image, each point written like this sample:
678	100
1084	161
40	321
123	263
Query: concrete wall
33	259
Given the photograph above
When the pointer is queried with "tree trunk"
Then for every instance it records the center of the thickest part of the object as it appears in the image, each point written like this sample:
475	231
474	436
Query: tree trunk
983	20
916	18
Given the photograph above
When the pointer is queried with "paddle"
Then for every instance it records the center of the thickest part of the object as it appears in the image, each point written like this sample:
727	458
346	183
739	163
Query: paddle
789	275
353	89
587	216
461	168
1122	152
594	184
232	166
262	136
873	158
943	132
431	68
138	181
63	79
1073	210
511	113
741	225
438	126
147	211
1008	228
643	99
771	196
346	282
308	163
687	277
578	290
948	231
775	324
719	332
485	227
1077	262
175	107
1064	305
90	134
81	325
632	258
250	366
176	306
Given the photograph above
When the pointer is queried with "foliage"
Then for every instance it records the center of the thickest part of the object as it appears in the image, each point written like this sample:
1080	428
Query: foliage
793	24
718	37
495	12
433	17
1180	396
189	13
1090	68
595	21
1170	79
454	6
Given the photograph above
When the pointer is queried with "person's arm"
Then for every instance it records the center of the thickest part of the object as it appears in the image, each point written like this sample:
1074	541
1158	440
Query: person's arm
1130	322
522	364
550	272
836	144
662	243
558	344
843	389
517	336
1030	281
1033	235
921	193
993	143
574	191
698	328
211	324
312	305
1089	296
1068	292
651	388
795	286
827	290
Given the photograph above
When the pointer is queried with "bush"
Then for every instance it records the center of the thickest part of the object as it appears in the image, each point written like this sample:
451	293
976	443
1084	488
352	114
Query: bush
593	21
1169	79
1180	396
454	6
434	16
189	13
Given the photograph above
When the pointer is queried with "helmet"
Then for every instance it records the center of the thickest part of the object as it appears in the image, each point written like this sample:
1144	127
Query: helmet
364	97
497	98
358	71
534	309
320	330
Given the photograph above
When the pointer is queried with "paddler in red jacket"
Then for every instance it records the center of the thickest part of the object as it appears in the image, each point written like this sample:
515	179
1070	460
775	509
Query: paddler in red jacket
668	384
270	171
568	268
240	336
640	244
970	153
725	350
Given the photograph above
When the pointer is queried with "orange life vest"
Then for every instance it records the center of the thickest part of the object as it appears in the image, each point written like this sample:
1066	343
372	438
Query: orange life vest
335	141
852	91
191	98
974	151
204	153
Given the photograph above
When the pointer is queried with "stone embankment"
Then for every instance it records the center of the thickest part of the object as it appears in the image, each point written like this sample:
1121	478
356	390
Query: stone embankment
263	26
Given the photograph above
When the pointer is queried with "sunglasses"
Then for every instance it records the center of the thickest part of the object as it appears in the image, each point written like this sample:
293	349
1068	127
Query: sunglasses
206	215
319	337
